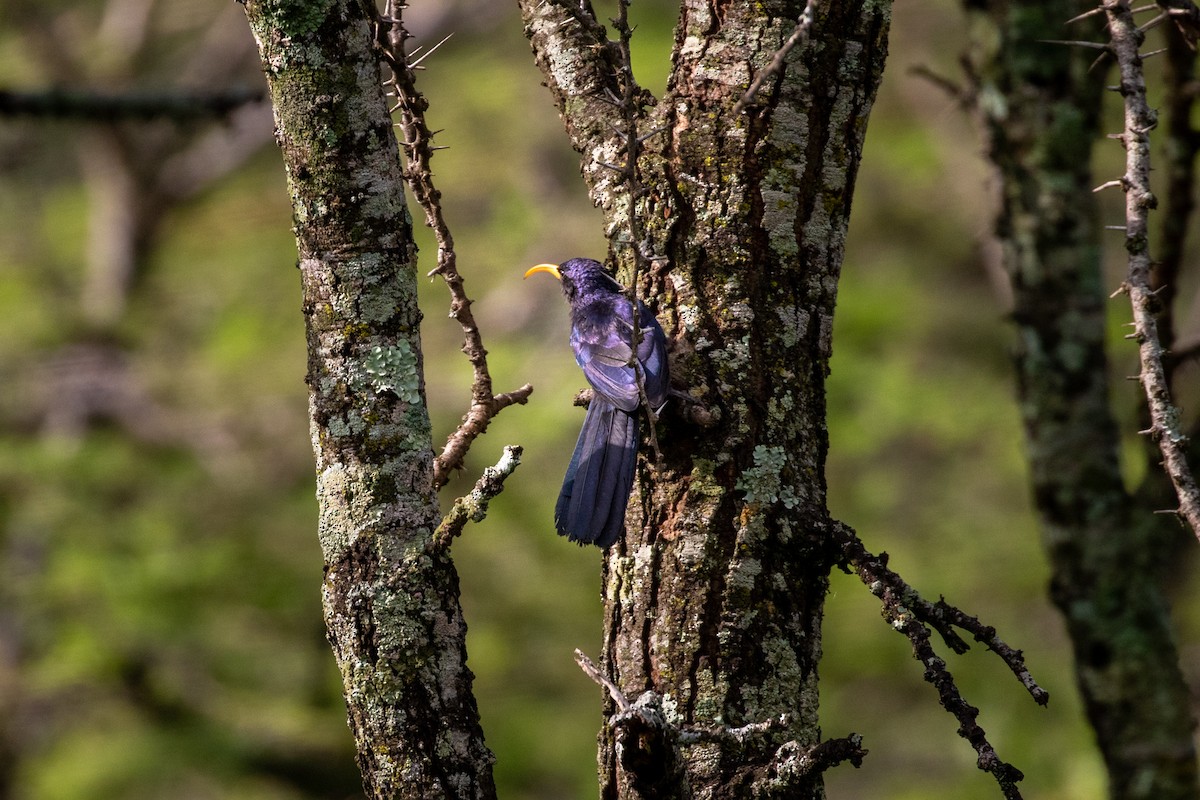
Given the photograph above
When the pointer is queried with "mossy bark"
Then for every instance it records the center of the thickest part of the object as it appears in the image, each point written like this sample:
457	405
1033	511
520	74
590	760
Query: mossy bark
390	596
1040	106
714	596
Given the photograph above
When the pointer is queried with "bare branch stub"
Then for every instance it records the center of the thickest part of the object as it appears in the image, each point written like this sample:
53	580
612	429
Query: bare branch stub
1125	40
473	507
390	37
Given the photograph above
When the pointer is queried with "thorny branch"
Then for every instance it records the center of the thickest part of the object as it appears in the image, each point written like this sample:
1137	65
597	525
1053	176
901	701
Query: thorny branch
390	37
910	614
1125	38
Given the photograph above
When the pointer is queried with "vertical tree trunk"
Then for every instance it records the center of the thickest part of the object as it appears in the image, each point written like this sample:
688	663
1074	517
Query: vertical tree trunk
390	596
714	597
1040	106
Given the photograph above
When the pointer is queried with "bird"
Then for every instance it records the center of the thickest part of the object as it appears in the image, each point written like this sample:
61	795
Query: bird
595	491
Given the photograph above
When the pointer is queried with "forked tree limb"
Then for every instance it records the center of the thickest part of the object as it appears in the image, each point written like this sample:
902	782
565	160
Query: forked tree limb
390	37
910	614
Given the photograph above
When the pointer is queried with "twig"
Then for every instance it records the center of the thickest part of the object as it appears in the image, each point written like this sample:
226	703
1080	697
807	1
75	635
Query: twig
633	184
1139	200
474	506
390	36
592	671
911	615
798	35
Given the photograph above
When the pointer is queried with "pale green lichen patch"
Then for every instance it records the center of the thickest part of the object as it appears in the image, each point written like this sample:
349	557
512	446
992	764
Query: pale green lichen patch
763	482
394	369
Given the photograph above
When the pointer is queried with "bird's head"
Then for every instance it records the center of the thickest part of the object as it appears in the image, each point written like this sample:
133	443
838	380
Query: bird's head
578	276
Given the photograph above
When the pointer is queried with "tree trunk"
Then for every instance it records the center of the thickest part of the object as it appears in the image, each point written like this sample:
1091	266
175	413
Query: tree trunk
390	595
714	597
1040	106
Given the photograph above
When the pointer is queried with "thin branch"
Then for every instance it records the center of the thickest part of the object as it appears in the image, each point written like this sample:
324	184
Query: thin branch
907	612
592	671
1139	200
631	111
798	35
390	36
181	105
474	506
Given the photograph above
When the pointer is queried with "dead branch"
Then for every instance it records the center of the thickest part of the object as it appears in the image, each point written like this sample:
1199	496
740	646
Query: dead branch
907	612
175	104
390	37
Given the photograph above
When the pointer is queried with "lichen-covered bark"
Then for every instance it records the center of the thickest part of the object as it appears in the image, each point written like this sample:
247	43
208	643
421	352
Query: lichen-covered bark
714	596
390	595
1040	104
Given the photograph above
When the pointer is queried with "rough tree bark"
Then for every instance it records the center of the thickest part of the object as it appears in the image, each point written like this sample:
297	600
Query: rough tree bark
1040	107
714	597
390	591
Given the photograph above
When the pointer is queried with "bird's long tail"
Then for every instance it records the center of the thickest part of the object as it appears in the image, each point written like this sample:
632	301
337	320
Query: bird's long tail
591	505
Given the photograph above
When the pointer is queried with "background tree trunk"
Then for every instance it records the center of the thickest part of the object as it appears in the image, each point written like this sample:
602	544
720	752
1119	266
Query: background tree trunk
1040	105
714	596
390	595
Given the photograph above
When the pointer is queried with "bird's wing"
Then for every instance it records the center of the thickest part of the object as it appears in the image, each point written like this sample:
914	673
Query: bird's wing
603	354
652	355
605	364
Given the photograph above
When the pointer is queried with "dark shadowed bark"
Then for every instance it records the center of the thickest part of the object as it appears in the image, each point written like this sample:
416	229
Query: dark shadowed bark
714	596
1040	106
390	592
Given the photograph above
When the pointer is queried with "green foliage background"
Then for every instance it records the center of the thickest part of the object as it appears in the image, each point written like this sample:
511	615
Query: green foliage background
160	628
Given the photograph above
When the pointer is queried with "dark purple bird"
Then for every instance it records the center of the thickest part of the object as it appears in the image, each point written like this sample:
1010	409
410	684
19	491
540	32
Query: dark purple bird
591	505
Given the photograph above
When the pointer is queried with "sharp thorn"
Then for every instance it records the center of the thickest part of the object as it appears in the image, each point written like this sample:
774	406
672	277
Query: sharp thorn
1075	43
1114	227
1154	23
1152	53
1108	185
1086	14
430	51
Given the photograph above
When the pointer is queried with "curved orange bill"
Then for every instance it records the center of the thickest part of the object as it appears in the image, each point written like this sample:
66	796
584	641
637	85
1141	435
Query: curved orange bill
551	268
